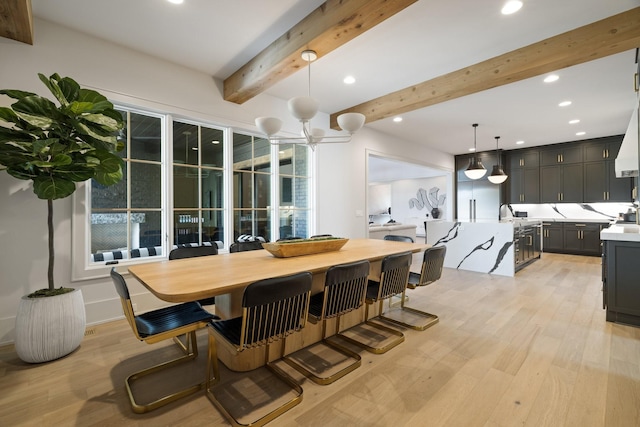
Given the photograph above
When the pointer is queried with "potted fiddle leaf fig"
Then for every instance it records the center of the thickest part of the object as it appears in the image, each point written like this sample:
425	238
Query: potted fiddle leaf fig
56	146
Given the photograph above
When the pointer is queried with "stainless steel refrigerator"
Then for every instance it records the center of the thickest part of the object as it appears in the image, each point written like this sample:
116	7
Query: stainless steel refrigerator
480	196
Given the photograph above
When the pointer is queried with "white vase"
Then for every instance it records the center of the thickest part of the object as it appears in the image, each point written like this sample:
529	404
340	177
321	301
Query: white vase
50	327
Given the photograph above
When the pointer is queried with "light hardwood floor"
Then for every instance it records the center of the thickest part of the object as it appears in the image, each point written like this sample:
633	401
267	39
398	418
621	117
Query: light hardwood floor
534	350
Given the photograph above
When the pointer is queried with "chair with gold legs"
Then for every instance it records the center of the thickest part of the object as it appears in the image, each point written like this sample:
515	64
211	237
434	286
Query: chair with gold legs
393	281
344	291
272	309
158	325
192	252
431	270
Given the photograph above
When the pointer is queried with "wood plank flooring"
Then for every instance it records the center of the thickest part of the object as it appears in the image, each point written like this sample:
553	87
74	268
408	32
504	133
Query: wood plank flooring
534	350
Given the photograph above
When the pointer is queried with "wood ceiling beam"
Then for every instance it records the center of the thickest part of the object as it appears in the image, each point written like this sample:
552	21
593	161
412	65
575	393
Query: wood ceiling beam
609	36
328	27
16	20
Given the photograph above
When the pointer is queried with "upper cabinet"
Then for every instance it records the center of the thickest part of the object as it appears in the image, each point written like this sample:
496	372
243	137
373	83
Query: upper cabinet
561	155
573	172
524	176
600	182
488	159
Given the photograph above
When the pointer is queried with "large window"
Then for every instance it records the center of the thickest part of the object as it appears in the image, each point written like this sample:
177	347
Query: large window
198	184
128	216
251	186
189	183
293	209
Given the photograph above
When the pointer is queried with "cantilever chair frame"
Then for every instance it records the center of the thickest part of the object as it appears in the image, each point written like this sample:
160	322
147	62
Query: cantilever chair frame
431	270
344	291
189	348
285	299
393	280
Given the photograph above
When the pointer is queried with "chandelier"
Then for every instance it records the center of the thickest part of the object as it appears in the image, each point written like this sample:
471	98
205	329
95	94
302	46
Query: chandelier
304	108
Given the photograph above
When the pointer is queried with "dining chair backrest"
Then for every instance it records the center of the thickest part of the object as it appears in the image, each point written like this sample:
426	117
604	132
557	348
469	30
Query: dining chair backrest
245	246
195	251
394	274
398	238
345	288
432	264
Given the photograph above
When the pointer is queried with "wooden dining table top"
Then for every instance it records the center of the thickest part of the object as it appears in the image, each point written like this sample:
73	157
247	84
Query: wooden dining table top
197	278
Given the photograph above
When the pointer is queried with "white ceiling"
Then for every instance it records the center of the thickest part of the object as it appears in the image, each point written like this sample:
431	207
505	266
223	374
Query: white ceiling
428	39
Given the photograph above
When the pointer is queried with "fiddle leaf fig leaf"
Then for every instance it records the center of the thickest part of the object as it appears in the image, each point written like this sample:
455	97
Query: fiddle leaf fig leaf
50	188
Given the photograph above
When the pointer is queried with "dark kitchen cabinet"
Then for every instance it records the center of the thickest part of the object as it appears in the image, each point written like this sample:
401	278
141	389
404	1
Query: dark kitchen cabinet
524	176
600	182
582	238
552	237
561	183
621	291
569	153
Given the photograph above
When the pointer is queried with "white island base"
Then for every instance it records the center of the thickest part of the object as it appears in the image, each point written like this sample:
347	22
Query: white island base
485	247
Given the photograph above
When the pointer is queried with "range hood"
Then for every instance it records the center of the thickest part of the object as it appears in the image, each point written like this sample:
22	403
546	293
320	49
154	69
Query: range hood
627	160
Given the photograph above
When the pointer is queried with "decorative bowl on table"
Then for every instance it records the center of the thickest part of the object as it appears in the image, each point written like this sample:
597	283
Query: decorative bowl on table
298	247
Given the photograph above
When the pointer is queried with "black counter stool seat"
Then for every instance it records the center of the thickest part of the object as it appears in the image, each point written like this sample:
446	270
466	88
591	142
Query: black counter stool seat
159	325
272	309
344	289
192	252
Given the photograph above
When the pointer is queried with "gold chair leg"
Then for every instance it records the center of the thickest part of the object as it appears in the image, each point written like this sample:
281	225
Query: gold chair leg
391	333
189	355
278	374
429	318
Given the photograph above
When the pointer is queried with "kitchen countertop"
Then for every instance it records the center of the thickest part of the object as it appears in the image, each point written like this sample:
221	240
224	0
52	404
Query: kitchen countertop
621	232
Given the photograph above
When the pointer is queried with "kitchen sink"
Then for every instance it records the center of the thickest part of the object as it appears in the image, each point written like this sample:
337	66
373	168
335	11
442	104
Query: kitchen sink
631	228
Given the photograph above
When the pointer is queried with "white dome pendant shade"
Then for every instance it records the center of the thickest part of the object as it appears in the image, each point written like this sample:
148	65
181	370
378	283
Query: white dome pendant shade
269	125
475	170
304	108
351	122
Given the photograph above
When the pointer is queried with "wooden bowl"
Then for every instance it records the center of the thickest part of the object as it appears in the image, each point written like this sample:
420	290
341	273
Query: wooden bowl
291	248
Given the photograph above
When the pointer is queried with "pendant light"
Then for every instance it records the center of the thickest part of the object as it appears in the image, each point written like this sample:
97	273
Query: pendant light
475	170
497	174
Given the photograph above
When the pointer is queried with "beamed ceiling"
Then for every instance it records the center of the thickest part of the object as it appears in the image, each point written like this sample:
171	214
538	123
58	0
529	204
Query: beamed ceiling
467	54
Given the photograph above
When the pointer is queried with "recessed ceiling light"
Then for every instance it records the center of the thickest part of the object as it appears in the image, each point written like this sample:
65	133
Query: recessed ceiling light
472	149
512	6
574	121
580	133
564	104
519	142
349	80
176	1
551	78
397	119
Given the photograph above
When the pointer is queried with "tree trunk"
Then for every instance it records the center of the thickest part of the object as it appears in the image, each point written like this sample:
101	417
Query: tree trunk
51	255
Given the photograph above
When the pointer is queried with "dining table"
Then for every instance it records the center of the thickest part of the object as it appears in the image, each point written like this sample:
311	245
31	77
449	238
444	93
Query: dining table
225	276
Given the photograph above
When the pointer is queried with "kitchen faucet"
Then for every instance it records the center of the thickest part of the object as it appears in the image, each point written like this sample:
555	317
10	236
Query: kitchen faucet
500	210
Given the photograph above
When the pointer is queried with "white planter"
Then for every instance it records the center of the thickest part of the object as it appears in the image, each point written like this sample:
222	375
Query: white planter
49	328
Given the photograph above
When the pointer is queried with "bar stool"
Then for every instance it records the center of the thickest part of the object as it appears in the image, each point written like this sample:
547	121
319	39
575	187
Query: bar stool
344	291
393	281
272	309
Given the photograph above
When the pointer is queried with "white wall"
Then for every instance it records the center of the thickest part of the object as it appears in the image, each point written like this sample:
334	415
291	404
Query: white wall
126	76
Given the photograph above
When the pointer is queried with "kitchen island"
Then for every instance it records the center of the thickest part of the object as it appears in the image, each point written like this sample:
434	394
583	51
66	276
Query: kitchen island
494	247
620	272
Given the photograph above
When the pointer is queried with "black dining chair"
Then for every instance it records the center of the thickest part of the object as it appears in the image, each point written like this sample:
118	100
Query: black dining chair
393	281
398	238
192	252
272	309
344	291
432	263
158	325
245	246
